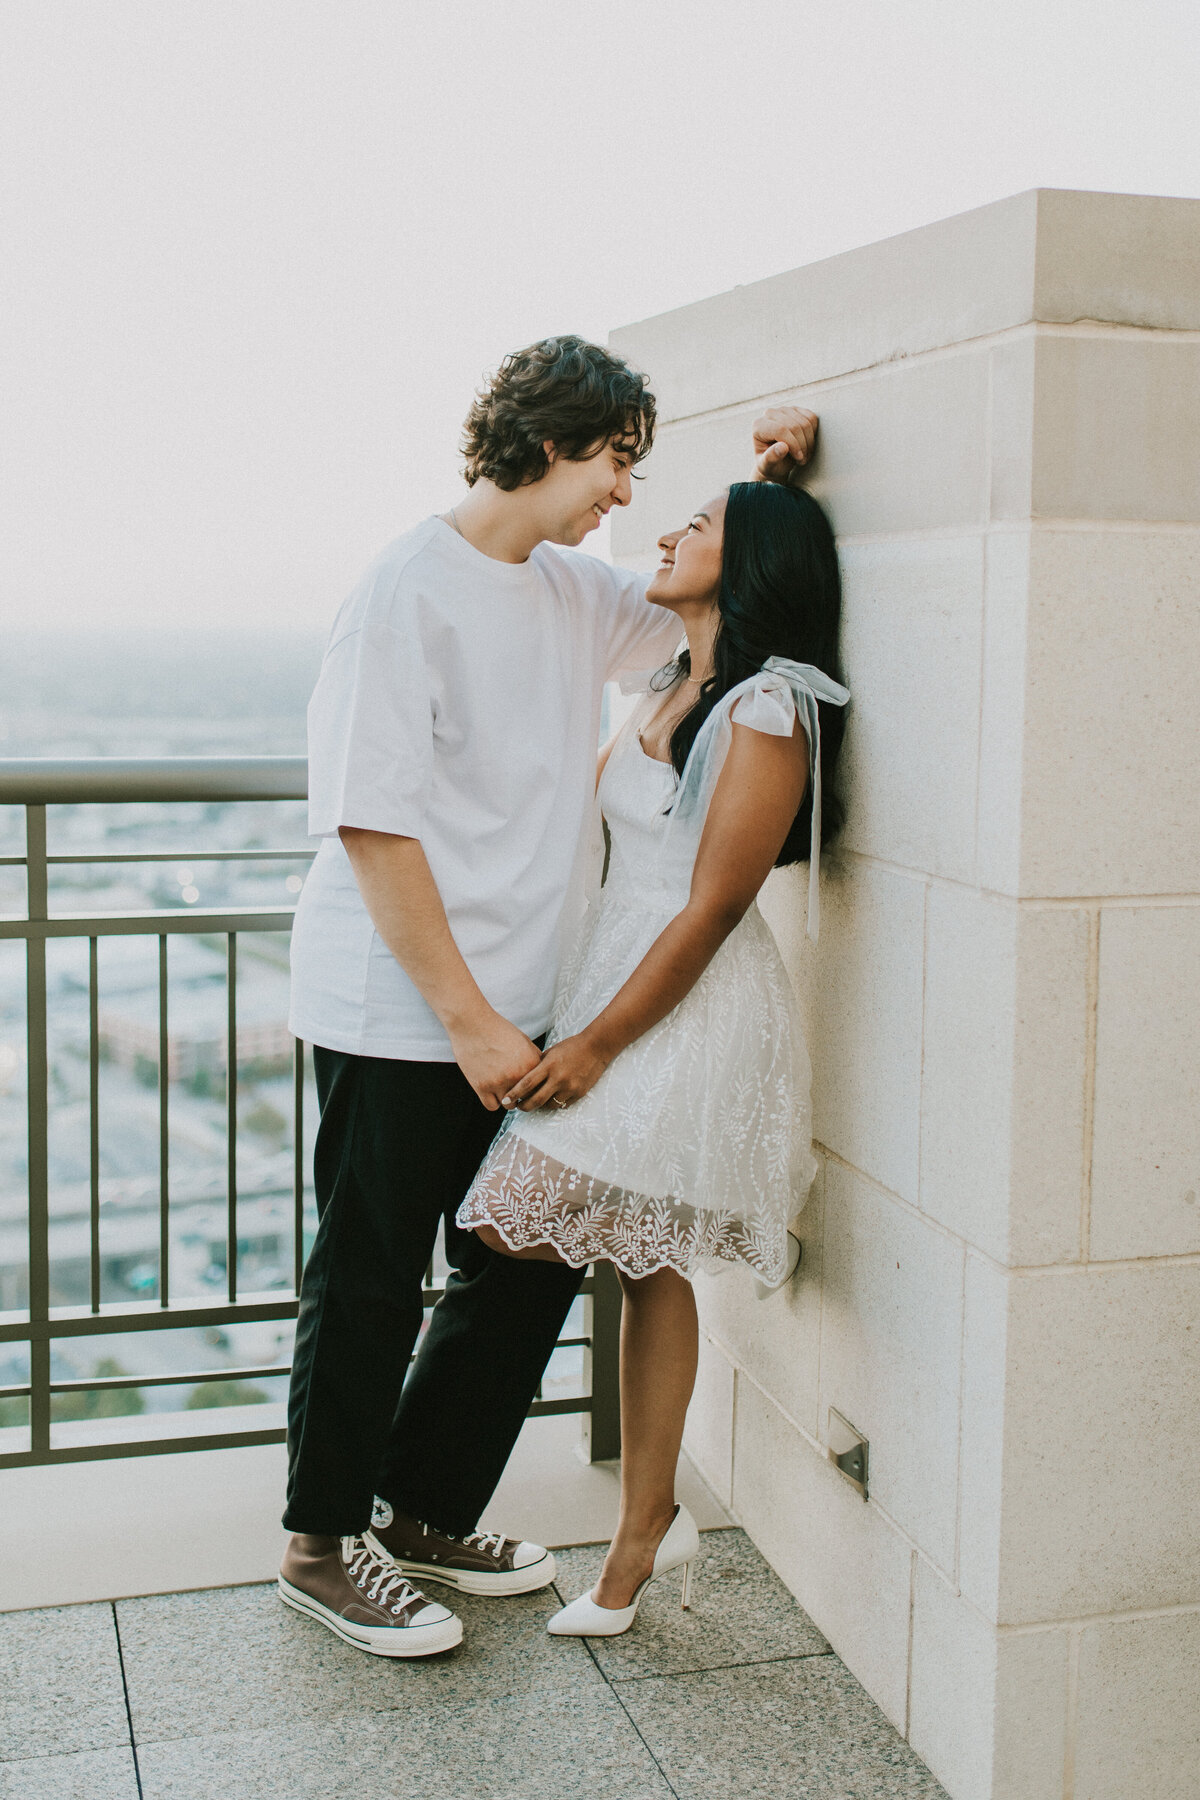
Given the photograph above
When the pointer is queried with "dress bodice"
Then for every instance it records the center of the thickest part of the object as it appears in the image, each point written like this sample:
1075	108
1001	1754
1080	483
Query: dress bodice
670	833
635	792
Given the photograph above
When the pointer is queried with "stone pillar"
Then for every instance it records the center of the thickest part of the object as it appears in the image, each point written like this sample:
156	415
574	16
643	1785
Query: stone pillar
1001	1287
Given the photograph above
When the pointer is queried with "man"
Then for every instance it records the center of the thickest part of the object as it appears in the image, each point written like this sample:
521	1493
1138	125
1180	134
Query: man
452	743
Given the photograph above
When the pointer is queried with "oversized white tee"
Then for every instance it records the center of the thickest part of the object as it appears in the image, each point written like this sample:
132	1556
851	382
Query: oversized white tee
459	703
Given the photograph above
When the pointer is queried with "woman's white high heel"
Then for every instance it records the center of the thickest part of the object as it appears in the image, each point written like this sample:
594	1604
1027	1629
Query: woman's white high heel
583	1618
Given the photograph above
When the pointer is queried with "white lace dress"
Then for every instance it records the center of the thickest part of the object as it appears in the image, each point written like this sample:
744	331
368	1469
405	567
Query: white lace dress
694	1146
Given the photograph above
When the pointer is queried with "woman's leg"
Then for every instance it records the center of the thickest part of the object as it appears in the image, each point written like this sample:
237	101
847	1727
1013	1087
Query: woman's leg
658	1372
488	1235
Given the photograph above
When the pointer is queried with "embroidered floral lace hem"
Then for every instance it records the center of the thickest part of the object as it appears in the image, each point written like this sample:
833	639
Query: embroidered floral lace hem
530	1198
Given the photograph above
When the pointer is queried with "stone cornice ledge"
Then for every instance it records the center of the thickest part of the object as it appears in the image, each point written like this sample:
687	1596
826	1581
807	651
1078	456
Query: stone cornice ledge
1049	256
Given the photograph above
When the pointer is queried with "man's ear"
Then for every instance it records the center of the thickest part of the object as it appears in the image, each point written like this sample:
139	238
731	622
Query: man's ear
551	449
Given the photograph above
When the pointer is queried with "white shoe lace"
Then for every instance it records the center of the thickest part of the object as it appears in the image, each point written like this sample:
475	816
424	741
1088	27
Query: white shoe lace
491	1542
387	1585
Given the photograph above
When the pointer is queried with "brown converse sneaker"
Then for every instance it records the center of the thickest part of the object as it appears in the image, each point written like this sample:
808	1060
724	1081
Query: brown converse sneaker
482	1562
364	1598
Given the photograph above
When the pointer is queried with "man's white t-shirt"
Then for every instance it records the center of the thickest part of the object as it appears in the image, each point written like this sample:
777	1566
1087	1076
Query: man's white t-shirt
459	703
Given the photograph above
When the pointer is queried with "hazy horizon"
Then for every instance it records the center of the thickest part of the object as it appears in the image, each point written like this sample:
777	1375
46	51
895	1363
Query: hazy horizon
133	690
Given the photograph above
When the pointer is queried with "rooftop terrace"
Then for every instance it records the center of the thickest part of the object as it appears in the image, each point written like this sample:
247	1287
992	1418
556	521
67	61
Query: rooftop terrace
224	1694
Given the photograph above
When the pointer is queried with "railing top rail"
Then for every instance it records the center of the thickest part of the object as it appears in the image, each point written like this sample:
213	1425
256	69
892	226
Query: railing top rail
76	780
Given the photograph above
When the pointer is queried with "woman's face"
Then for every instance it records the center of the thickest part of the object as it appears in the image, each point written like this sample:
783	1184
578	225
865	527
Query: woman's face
689	574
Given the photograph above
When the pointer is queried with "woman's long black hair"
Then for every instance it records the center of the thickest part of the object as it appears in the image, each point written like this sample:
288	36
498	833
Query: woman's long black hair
780	595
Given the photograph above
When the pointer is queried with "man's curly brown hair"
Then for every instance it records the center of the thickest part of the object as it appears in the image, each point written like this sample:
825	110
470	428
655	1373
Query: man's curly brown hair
563	390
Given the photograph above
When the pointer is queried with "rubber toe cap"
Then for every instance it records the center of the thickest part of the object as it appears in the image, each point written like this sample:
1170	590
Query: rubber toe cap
433	1614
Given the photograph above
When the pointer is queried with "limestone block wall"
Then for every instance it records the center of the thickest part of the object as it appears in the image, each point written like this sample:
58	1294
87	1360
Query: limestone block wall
1001	1286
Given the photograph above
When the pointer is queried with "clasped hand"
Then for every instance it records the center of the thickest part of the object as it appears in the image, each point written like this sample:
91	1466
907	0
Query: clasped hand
566	1072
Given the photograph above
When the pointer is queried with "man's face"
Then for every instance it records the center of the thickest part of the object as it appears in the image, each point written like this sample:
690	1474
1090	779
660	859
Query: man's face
576	495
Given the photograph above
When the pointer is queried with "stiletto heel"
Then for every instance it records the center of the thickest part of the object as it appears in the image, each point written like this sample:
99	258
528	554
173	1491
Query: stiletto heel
584	1618
685	1599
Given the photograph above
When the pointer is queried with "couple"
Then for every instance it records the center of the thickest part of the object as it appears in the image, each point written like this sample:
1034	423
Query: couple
457	967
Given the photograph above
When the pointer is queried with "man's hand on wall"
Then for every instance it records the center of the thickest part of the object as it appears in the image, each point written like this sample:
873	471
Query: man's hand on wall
783	442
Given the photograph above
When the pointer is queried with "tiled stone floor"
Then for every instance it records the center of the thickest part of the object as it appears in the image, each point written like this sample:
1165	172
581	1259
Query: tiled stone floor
227	1695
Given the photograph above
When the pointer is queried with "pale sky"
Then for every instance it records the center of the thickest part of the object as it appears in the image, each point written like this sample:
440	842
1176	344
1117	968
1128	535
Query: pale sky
257	253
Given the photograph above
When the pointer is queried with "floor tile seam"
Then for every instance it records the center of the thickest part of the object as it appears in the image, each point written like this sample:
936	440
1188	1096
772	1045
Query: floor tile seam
133	1750
155	1740
318	1721
668	1784
603	1543
45	1756
754	1662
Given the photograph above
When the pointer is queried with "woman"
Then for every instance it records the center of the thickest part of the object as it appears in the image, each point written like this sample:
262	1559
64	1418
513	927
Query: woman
667	1125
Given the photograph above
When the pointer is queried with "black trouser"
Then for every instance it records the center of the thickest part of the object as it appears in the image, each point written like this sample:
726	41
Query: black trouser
396	1149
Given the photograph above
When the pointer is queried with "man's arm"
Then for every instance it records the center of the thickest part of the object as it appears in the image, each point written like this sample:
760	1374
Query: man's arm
406	909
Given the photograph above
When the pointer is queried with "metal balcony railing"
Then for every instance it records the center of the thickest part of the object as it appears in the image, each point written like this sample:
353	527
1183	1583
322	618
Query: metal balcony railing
38	786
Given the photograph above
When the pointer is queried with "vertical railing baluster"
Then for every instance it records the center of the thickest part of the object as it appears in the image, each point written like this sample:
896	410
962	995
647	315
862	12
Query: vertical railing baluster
298	1166
37	906
603	1427
231	1073
164	1080
94	1111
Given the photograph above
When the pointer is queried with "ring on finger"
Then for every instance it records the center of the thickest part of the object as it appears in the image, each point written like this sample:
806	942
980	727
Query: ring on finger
555	1101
